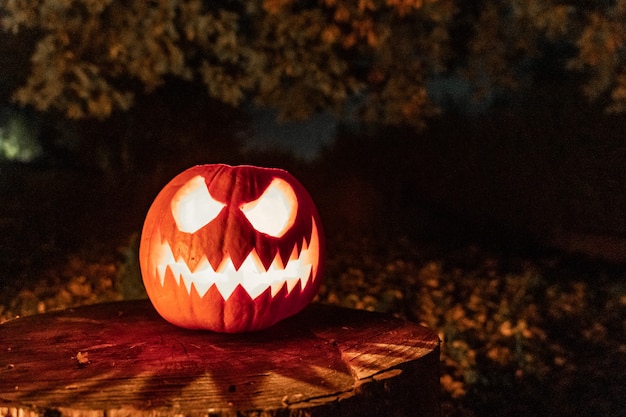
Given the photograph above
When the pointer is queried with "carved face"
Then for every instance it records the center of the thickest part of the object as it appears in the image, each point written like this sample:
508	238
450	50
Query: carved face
231	249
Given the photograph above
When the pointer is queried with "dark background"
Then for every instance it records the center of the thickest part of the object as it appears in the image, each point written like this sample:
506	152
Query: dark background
501	224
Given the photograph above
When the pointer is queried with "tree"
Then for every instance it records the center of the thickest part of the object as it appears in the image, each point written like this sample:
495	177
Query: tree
93	56
601	45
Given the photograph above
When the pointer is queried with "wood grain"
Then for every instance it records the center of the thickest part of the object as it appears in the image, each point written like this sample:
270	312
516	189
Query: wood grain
123	359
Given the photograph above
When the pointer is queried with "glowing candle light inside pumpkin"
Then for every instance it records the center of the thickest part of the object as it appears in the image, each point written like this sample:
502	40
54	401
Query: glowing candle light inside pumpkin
193	207
231	249
275	211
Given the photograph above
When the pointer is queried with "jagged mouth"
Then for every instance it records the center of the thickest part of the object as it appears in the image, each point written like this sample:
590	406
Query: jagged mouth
251	275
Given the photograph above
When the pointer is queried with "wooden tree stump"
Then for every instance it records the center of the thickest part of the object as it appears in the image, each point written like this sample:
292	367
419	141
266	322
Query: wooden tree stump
120	359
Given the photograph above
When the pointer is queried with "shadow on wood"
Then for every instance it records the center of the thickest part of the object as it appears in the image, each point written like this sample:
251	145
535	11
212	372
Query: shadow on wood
124	359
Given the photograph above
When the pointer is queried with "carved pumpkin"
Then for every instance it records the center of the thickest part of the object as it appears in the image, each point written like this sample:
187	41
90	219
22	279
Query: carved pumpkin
231	248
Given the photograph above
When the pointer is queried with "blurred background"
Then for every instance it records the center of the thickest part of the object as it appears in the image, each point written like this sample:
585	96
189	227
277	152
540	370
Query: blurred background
467	157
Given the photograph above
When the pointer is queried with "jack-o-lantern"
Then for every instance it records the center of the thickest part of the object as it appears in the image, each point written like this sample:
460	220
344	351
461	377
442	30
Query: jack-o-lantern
231	248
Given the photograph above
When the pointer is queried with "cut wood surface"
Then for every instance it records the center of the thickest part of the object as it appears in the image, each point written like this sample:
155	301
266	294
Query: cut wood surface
122	358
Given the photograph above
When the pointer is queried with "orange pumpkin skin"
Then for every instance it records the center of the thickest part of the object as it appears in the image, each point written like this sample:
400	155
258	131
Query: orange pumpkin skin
209	260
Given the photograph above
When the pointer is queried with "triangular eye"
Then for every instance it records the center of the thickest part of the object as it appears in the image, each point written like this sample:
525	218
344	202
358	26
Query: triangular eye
275	211
193	207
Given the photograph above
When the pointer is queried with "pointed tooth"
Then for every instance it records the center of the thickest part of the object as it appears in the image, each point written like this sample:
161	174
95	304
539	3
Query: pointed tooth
306	276
161	271
202	286
164	257
266	257
291	284
186	280
168	273
224	280
238	255
252	281
226	288
203	276
276	265
253	262
276	287
289	254
202	265
256	290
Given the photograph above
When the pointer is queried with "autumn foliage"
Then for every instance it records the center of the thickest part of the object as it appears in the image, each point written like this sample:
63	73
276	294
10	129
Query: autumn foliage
375	57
